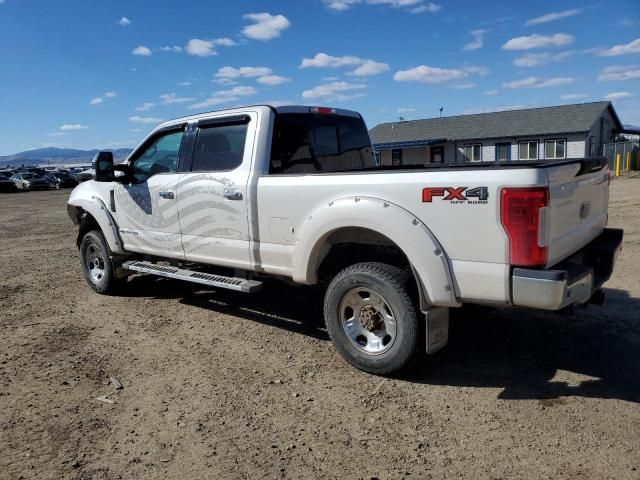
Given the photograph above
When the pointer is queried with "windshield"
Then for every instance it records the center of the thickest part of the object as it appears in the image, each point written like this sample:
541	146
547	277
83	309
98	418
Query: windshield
308	143
29	176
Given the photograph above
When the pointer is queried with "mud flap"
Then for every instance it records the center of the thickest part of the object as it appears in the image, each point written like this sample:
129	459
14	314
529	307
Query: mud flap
437	328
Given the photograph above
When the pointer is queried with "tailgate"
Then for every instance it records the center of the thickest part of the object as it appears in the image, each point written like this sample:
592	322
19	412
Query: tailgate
578	203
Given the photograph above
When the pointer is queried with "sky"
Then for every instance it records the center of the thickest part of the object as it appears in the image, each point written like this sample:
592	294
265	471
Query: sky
89	74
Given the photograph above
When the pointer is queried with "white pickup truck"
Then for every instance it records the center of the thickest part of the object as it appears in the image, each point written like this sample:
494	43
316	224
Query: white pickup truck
228	197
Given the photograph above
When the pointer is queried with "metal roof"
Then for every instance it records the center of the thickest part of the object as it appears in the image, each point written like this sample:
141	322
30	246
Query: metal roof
512	123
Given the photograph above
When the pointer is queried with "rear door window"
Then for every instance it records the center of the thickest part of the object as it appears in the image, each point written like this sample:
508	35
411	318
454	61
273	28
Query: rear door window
219	148
311	143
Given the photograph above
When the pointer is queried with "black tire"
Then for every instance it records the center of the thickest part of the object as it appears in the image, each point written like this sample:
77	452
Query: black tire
393	286
95	262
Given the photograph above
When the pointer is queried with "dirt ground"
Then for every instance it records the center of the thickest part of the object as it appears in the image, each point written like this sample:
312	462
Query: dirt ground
227	385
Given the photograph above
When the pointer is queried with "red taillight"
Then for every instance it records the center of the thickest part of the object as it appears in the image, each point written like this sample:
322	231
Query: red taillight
520	213
322	110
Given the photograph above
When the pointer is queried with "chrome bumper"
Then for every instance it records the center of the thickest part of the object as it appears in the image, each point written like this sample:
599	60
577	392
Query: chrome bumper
571	282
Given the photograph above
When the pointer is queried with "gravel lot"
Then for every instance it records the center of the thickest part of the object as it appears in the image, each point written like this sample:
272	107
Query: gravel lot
225	385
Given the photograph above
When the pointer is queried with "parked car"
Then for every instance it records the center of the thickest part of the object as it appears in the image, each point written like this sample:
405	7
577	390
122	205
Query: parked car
84	175
30	181
7	185
60	180
226	198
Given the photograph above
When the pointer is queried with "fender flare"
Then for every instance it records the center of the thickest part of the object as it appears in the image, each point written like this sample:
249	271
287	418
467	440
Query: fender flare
99	211
425	254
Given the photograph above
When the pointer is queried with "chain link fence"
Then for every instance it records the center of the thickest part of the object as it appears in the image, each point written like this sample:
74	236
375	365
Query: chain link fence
611	150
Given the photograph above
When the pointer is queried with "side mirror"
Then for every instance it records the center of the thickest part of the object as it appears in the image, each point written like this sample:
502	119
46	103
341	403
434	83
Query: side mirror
103	165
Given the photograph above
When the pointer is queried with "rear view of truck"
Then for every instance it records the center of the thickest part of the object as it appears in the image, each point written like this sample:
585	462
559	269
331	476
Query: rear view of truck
559	247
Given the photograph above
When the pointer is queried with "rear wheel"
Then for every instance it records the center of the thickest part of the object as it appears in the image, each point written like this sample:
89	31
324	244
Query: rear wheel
371	319
96	263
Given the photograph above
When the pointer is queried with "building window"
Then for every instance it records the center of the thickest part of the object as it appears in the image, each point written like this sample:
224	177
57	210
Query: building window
473	153
396	156
503	152
528	150
555	148
592	146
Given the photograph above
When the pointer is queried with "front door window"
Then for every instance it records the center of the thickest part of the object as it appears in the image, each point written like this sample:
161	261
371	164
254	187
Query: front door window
161	156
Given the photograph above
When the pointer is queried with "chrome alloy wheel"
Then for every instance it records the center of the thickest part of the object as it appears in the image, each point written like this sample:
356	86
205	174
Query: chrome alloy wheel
368	321
95	263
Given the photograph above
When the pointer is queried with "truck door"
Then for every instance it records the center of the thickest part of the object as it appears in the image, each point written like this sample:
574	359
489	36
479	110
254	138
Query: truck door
147	207
212	196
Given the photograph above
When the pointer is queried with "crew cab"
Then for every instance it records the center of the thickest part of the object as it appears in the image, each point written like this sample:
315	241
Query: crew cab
230	197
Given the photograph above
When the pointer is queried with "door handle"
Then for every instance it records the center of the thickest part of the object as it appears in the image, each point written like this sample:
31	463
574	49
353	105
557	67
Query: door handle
232	194
167	195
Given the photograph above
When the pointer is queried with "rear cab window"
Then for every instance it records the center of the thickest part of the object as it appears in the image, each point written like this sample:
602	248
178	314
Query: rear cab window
316	143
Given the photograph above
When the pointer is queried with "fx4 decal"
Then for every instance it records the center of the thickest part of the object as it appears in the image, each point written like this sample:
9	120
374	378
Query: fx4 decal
474	196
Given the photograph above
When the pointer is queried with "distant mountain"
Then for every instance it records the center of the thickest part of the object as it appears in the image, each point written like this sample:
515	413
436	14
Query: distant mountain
52	155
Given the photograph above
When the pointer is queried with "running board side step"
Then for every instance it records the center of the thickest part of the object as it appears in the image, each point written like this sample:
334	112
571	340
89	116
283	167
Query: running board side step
219	281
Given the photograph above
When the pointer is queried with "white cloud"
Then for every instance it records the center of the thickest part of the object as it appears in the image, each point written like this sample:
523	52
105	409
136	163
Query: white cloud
212	102
625	49
538	41
171	48
535	59
322	60
200	48
100	100
225	42
247	72
535	82
239	91
144	120
406	110
332	91
619	73
464	86
618	95
55	134
224	81
273	80
184	84
170	98
574	96
365	67
145	106
552	17
478	39
225	96
369	68
426	74
266	26
482	71
124	21
341	5
142	51
74	126
491	92
413	6
426	7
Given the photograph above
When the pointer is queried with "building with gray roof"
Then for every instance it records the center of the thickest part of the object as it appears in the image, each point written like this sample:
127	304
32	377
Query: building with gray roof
548	133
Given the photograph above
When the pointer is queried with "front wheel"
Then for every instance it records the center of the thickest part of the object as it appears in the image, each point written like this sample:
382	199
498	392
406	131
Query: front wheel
96	263
371	318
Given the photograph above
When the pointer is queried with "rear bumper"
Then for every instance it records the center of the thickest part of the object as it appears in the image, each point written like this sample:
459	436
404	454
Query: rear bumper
572	281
